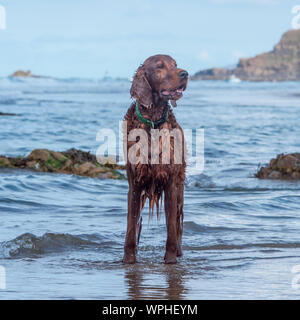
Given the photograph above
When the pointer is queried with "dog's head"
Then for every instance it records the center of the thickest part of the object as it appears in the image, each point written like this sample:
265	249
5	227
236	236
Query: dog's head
158	76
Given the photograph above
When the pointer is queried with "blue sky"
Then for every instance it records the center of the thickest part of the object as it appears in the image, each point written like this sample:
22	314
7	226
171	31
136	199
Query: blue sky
87	38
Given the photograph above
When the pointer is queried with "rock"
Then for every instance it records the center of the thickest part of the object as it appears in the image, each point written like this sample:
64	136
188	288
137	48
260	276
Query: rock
273	164
86	168
96	171
76	168
79	156
67	166
31	164
263	173
107	175
296	175
280	64
70	162
287	162
40	154
109	161
26	74
4	162
275	175
213	74
58	156
283	167
22	73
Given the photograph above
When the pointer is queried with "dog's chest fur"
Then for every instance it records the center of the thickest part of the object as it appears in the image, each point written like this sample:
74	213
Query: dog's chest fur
150	175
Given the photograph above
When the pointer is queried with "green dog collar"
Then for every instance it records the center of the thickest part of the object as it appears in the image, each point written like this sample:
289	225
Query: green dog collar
149	123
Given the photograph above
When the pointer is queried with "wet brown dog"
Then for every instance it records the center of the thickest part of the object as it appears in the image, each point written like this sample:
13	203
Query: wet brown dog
156	81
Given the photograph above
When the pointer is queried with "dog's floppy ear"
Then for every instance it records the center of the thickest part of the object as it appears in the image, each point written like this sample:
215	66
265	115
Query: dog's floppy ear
141	89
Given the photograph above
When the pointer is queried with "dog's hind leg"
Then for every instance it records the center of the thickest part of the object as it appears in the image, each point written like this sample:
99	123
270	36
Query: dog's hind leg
139	218
180	200
133	225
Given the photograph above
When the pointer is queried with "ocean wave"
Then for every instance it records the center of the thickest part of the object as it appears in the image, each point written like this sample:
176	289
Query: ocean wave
192	227
267	245
199	181
30	245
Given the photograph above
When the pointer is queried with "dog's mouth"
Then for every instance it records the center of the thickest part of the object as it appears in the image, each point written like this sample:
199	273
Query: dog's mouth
173	94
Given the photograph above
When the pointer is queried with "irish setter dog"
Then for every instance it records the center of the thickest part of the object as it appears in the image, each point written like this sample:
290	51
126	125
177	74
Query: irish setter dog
156	82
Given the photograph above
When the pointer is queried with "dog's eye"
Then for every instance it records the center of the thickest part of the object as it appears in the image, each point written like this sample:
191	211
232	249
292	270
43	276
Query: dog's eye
160	66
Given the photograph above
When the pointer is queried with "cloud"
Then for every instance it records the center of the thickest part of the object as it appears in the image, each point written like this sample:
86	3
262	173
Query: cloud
203	56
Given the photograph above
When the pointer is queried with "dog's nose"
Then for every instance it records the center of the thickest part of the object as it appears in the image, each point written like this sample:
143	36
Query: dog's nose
183	74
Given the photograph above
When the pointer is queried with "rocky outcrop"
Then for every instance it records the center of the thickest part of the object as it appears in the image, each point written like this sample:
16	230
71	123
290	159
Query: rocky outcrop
280	64
72	161
25	74
213	74
283	167
21	73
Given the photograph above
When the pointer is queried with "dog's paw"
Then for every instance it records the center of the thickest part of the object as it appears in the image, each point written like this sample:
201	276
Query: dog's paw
129	259
170	258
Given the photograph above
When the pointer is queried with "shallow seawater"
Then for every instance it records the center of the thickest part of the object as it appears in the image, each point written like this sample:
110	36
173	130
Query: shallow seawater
62	235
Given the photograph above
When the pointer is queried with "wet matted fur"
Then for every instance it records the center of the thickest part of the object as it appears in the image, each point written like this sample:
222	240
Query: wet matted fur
156	82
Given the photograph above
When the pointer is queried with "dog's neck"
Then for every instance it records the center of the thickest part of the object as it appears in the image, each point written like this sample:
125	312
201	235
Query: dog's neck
157	110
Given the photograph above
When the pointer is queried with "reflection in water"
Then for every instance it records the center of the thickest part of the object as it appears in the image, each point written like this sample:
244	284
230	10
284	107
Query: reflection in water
156	281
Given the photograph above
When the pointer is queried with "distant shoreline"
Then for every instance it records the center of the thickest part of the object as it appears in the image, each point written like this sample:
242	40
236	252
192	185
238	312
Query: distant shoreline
21	74
280	64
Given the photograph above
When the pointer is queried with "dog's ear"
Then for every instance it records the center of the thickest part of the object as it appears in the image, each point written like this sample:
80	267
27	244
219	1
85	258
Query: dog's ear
141	89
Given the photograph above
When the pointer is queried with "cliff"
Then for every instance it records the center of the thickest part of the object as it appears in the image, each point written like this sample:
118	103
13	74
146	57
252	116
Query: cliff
280	64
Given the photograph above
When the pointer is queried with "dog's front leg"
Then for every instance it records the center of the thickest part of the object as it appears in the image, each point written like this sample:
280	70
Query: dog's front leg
133	217
171	220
